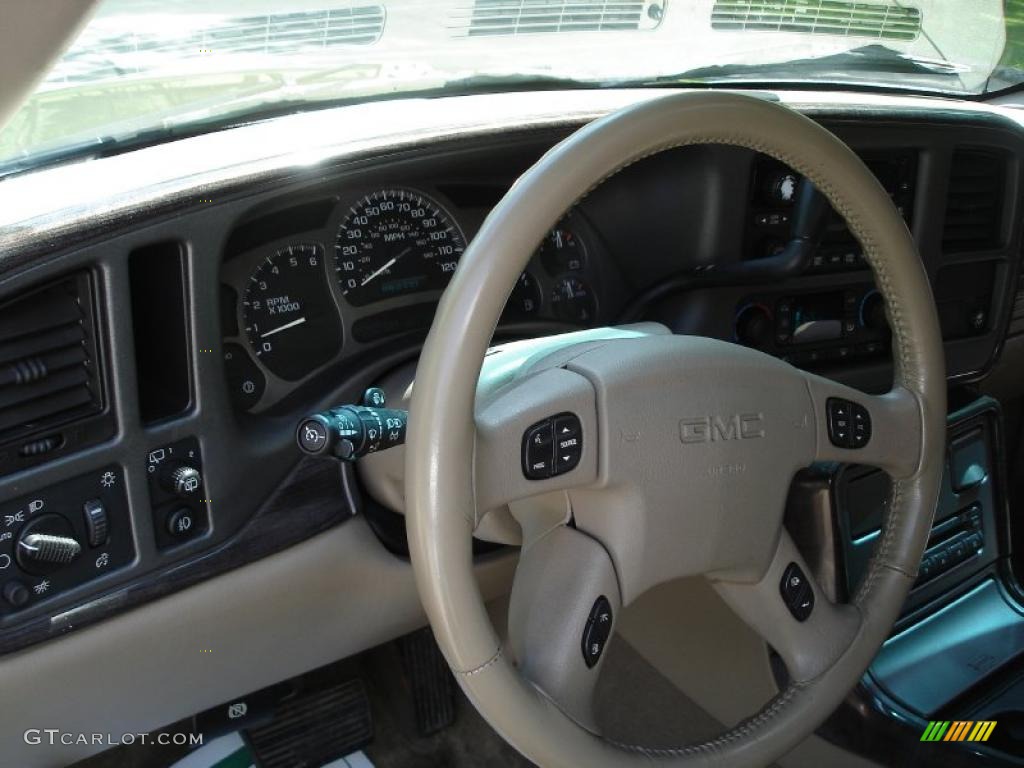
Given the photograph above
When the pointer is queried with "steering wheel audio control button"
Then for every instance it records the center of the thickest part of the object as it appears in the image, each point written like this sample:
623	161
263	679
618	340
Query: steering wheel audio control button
861	425
597	631
849	423
568	442
538	451
552	447
796	592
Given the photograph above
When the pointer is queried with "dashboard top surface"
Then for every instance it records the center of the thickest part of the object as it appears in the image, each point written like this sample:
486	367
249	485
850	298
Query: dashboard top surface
71	199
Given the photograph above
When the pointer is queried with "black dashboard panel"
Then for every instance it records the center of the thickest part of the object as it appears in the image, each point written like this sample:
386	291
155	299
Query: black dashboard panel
316	262
647	244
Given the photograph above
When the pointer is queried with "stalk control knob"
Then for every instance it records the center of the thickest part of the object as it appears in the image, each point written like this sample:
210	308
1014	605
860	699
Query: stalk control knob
349	432
182	480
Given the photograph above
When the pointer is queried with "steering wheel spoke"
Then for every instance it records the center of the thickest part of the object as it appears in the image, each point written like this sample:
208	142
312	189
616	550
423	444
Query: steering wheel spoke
537	419
884	431
791	612
565	600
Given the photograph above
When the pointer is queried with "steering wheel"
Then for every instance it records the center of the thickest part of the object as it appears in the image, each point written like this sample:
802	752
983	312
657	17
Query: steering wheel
686	447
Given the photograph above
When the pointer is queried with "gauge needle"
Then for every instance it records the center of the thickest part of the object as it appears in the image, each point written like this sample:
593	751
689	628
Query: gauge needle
385	268
284	327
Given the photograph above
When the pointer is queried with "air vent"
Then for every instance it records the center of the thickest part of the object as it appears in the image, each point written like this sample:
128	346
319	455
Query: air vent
49	369
877	21
974	205
292	32
1016	326
118	46
525	17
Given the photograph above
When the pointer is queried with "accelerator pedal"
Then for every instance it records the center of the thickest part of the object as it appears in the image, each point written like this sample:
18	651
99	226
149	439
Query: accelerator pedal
431	681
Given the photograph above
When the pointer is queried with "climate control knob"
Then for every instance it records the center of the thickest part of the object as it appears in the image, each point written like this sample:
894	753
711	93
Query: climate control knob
872	312
754	326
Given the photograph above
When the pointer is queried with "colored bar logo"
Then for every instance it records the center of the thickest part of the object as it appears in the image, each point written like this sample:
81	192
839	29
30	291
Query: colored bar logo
958	730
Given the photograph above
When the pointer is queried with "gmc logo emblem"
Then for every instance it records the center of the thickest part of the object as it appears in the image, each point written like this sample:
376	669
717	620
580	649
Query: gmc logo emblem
710	429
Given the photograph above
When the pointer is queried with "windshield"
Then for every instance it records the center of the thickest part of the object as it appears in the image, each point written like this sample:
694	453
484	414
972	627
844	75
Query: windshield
145	69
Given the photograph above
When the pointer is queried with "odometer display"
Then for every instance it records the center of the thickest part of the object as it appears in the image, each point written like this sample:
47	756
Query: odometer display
395	242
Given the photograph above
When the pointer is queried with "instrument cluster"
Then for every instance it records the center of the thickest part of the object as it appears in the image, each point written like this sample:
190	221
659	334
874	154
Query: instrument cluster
374	272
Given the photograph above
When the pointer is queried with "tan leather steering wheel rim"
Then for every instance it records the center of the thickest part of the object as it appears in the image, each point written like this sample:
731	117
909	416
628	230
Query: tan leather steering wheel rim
442	485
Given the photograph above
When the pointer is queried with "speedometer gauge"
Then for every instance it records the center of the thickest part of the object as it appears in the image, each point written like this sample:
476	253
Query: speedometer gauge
395	242
290	320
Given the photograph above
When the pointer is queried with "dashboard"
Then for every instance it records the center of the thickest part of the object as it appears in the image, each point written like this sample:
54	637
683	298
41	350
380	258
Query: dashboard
197	300
328	279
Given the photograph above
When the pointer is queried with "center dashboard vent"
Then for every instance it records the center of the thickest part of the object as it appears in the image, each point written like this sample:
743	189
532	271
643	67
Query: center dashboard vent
974	205
523	17
51	385
879	21
1016	326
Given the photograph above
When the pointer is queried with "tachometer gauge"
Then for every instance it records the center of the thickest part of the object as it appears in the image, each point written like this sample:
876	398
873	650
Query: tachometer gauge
572	301
562	251
395	242
290	320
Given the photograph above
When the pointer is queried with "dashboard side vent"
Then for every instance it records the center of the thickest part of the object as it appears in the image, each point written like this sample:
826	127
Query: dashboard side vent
974	204
49	364
523	17
1016	326
878	21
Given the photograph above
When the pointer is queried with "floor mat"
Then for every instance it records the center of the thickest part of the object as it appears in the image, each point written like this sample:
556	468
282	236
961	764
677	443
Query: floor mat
231	751
633	703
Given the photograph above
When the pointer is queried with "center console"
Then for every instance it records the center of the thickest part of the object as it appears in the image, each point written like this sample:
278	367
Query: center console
956	650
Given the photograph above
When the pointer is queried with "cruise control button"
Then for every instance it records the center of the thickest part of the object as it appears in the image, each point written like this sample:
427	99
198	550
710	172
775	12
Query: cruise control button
838	415
796	592
597	631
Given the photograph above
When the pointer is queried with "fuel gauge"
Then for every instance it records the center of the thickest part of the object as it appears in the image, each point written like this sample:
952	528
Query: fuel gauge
573	301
